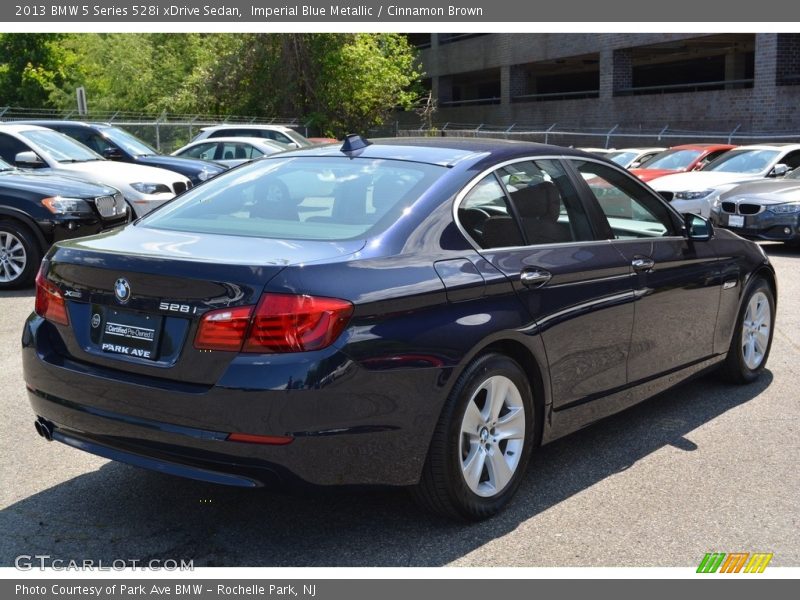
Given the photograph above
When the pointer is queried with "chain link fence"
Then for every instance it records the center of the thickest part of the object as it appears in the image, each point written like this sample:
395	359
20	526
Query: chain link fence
165	131
616	136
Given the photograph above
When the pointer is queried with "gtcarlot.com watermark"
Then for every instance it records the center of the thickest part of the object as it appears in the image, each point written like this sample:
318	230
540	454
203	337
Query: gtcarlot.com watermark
27	562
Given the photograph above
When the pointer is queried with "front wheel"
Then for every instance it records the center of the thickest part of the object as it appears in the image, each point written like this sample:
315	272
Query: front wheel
19	256
482	443
752	338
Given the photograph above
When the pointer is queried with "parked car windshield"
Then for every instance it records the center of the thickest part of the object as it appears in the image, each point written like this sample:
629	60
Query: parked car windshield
303	198
622	158
674	160
128	142
743	161
60	147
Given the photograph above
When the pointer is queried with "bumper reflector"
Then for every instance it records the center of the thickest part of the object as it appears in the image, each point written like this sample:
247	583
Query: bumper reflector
248	438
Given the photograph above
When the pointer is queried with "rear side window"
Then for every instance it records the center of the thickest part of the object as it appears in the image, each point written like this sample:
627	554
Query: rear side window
239	151
486	215
546	203
307	198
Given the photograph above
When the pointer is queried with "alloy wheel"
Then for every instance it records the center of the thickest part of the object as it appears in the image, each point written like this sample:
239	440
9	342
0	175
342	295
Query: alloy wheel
13	257
492	436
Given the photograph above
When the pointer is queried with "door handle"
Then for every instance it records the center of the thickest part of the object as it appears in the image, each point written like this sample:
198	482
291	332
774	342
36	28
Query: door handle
534	277
642	263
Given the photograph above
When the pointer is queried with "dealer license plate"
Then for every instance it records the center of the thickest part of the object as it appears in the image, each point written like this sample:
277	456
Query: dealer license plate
735	221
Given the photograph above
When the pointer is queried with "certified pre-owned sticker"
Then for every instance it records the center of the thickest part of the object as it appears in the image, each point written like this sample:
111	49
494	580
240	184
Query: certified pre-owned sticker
130	332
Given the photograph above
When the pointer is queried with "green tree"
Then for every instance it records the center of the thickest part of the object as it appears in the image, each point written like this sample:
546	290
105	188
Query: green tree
32	66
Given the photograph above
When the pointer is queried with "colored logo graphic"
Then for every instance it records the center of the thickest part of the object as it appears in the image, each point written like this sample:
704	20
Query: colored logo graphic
736	562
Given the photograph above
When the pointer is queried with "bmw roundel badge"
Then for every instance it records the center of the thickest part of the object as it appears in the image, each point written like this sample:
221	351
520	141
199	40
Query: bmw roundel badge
122	290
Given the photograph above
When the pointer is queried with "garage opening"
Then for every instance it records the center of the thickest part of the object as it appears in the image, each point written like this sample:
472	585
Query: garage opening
715	62
472	88
559	79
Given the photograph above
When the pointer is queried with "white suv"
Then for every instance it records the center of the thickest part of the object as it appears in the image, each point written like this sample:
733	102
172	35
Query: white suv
39	148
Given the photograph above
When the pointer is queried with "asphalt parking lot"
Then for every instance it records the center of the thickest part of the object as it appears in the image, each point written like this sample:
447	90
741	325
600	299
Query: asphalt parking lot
705	467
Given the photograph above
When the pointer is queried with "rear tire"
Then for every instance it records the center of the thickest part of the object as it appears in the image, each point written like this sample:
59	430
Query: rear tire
19	256
752	338
482	443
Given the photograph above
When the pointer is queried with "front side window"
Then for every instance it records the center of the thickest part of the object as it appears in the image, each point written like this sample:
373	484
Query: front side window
10	147
301	198
630	210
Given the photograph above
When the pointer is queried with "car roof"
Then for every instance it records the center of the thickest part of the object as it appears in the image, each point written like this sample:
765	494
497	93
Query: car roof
14	127
237	138
49	122
640	149
247	126
446	151
701	146
778	146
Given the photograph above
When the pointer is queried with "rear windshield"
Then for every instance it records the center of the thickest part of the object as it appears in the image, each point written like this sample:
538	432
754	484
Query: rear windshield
302	198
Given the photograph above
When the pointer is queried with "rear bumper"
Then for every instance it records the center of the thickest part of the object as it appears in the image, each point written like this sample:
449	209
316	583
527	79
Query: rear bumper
363	428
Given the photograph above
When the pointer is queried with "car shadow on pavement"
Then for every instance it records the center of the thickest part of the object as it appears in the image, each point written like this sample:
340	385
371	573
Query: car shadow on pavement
121	512
23	293
780	249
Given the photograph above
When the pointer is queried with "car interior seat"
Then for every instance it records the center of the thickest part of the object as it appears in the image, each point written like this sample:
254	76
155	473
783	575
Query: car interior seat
539	206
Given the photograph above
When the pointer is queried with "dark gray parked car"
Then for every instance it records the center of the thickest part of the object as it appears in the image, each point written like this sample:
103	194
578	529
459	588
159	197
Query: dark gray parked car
762	210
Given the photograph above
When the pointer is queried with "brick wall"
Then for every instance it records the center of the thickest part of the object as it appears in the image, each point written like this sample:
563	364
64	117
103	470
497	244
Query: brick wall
764	107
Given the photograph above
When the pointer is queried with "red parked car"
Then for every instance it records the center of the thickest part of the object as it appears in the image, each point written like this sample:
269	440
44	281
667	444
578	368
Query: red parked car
678	159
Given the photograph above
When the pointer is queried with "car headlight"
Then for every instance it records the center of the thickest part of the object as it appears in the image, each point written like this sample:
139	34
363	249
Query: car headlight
62	206
204	174
693	195
785	209
151	188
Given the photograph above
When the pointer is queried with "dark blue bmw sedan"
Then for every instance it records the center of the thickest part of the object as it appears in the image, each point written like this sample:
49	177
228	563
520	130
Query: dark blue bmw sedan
411	312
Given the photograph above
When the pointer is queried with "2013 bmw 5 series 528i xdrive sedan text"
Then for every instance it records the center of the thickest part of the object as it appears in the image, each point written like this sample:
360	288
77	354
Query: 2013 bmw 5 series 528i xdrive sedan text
442	310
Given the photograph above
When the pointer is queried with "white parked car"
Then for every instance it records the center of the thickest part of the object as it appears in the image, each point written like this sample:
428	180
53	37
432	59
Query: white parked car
45	150
631	158
230	151
699	191
277	133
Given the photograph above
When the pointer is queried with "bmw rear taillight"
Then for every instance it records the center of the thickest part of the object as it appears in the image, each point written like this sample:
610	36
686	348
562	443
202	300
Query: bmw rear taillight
223	329
280	323
50	302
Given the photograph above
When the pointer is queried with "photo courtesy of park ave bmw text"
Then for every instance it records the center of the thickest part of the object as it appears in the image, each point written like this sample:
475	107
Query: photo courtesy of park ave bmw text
356	299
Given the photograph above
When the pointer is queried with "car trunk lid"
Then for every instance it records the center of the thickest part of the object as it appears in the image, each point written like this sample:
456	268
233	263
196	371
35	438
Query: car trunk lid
135	296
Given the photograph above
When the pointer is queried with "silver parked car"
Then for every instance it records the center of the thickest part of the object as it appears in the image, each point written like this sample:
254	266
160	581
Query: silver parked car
230	151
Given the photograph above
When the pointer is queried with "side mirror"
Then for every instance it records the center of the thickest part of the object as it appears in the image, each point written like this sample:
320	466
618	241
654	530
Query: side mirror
697	228
112	153
28	160
779	170
635	164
